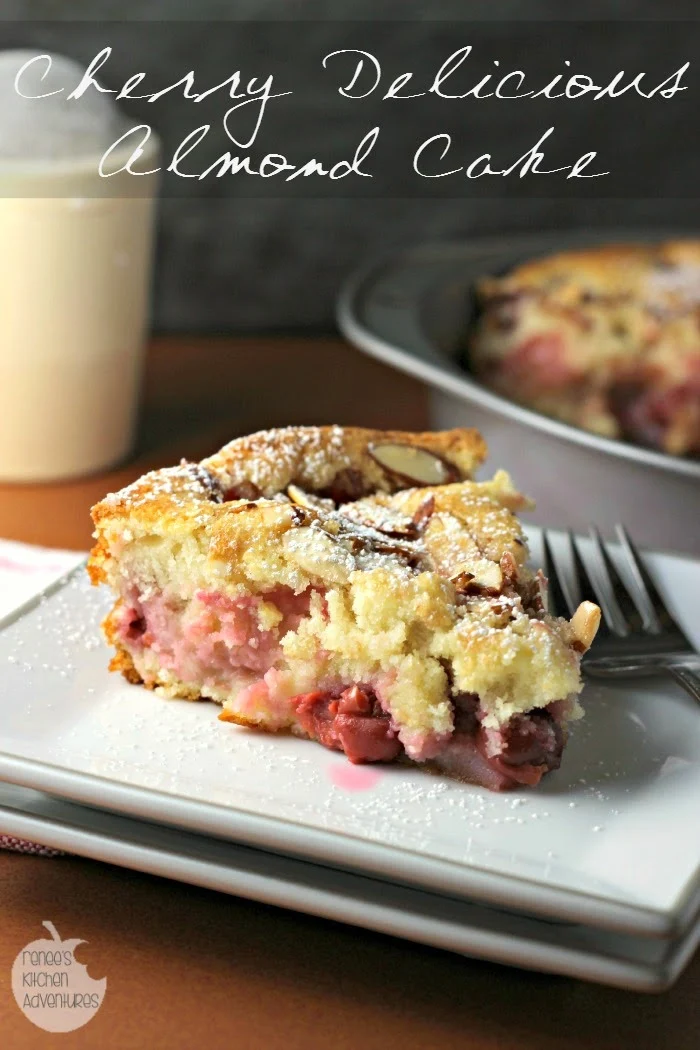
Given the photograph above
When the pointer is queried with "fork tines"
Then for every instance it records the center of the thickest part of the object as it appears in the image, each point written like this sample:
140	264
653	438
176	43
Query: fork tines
653	609
627	607
567	589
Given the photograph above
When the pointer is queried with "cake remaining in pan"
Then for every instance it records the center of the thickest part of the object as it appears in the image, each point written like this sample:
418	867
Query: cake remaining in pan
352	586
606	338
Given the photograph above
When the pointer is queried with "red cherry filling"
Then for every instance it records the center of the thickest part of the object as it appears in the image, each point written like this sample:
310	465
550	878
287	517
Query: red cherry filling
526	748
352	722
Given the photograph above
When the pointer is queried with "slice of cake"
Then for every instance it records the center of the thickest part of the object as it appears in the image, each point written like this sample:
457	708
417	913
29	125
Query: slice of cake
352	586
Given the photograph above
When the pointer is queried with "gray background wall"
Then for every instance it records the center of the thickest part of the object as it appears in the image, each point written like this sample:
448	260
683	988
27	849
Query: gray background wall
230	263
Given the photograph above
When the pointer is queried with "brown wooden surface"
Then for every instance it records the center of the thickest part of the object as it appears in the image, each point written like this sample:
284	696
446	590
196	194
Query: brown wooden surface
200	393
189	968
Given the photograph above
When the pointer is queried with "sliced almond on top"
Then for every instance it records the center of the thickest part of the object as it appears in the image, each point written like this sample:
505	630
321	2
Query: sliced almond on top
457	555
383	518
308	500
424	512
413	464
242	506
584	625
489	575
480	576
299	515
462	581
509	567
484	574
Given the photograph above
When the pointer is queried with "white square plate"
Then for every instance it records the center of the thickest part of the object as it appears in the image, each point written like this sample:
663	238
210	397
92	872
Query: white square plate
611	840
639	964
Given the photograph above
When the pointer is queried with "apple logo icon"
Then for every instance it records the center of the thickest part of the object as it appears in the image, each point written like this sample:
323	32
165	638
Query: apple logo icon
52	988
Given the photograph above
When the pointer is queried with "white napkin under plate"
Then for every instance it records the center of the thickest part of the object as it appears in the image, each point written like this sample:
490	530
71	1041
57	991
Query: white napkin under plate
24	571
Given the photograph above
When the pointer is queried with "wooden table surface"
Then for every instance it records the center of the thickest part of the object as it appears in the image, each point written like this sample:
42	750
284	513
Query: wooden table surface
187	967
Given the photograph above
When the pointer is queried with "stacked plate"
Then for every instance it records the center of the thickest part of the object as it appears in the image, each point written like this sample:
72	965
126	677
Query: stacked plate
595	874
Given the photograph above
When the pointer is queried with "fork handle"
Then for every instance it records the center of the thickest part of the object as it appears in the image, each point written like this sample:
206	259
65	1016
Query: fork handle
639	663
687	679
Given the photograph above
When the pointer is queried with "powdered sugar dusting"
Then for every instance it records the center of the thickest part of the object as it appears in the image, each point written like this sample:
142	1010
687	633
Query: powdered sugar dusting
273	458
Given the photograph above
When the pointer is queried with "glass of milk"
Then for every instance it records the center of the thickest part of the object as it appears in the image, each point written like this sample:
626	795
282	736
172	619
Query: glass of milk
75	264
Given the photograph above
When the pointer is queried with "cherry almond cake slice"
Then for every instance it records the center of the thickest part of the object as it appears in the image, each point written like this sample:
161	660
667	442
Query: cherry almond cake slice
352	586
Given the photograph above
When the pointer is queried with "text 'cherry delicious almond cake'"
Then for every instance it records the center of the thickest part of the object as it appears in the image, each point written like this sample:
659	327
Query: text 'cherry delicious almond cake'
351	586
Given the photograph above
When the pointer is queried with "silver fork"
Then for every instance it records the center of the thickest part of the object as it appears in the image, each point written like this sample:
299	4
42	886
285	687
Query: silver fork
637	635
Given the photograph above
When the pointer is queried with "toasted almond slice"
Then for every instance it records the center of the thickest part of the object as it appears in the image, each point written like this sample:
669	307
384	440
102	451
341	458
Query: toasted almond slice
424	512
299	516
488	575
382	518
238	507
405	530
308	500
410	555
412	464
509	567
482	576
455	552
584	624
462	581
365	538
478	578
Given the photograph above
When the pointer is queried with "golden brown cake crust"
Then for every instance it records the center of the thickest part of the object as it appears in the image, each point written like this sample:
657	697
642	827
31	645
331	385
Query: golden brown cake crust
311	457
263	465
609	268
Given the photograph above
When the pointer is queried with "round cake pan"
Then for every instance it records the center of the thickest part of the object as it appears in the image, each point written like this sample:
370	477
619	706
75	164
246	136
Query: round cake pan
412	310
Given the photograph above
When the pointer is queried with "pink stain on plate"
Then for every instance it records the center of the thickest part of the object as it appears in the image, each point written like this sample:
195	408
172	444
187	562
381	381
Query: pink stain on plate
354	778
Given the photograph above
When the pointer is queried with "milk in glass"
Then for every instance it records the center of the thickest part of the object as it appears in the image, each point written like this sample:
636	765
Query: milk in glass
75	261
